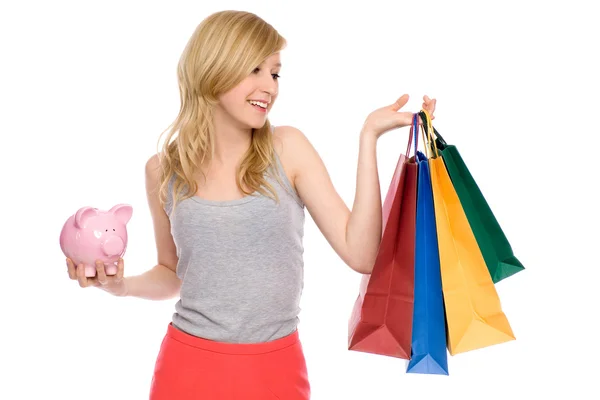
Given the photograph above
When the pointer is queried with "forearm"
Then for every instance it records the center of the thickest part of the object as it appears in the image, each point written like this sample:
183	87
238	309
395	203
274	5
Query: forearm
158	283
363	232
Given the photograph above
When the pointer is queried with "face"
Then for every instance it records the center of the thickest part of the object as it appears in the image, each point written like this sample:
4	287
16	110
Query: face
262	84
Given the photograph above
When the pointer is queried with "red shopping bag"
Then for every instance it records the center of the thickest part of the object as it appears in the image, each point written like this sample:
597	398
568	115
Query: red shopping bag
381	321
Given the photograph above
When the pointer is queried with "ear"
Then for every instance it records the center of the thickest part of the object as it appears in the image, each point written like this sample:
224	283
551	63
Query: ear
122	212
83	214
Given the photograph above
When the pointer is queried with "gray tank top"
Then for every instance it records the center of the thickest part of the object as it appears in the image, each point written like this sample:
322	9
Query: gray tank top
241	264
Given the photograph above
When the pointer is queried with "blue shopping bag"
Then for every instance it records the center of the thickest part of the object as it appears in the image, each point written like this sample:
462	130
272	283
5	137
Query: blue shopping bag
428	349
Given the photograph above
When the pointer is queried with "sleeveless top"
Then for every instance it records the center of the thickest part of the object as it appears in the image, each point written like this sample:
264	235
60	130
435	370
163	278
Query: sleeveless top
241	264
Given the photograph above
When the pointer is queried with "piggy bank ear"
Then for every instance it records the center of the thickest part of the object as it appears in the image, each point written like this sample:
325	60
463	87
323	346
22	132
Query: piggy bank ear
122	212
83	214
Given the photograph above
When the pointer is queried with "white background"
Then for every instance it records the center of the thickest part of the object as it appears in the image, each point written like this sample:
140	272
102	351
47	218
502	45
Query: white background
86	88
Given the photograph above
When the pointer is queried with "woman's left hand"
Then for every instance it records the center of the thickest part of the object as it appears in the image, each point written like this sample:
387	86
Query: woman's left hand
387	118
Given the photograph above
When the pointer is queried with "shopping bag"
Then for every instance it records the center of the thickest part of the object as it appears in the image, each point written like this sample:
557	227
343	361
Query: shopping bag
429	354
474	313
497	251
381	320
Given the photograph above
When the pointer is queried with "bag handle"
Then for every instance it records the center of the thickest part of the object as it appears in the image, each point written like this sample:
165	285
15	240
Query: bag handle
410	140
428	127
439	142
427	150
413	132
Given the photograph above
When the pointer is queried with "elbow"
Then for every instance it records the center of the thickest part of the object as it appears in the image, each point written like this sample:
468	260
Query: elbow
177	292
362	258
175	287
174	290
364	270
363	262
364	267
172	281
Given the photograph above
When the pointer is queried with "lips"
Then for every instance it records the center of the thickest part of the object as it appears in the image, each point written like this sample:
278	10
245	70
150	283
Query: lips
258	108
261	101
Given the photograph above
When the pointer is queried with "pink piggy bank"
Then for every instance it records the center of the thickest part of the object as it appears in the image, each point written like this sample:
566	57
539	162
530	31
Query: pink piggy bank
91	234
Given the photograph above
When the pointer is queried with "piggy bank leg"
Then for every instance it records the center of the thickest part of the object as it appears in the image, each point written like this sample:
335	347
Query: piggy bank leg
90	270
110	269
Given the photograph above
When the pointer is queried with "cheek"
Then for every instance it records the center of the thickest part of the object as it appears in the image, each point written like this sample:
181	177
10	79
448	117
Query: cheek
233	100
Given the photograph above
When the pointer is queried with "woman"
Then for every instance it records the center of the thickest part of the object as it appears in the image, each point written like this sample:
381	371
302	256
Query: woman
227	195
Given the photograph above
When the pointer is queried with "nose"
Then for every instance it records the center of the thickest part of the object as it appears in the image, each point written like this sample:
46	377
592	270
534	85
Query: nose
113	246
270	87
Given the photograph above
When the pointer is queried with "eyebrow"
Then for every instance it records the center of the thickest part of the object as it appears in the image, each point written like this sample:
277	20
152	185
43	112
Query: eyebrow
275	65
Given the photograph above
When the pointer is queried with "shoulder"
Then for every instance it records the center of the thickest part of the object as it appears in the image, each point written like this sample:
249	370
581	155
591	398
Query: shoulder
289	133
152	168
153	172
292	146
153	162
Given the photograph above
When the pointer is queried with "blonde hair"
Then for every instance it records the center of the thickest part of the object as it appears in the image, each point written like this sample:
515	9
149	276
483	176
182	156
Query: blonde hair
223	50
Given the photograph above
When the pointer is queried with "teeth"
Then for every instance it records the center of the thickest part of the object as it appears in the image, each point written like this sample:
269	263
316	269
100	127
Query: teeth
263	105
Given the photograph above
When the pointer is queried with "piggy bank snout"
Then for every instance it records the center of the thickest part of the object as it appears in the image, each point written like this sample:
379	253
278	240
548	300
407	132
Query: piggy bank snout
113	246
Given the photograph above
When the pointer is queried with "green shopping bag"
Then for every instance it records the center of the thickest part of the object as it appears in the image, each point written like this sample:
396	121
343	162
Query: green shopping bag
494	246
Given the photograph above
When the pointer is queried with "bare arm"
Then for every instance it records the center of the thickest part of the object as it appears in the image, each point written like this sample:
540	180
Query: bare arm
354	235
363	230
160	282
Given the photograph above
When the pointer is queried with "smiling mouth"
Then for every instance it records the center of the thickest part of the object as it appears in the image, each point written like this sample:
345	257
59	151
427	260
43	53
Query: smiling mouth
258	108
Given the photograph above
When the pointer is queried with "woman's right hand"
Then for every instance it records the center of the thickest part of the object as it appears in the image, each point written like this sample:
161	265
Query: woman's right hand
113	284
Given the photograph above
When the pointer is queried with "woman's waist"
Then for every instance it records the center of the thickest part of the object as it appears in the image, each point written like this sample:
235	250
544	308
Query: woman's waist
233	330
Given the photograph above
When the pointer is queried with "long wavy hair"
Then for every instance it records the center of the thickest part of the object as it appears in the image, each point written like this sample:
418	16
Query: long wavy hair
223	50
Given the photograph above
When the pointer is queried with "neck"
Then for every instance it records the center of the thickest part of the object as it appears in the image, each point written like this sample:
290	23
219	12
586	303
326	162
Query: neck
232	140
230	146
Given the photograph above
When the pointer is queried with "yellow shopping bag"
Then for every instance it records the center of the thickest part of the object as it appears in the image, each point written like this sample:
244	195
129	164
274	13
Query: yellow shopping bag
473	311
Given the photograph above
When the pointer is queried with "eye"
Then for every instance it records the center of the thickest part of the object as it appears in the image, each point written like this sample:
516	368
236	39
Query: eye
275	76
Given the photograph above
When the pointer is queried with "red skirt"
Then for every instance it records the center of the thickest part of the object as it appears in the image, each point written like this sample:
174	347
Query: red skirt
189	367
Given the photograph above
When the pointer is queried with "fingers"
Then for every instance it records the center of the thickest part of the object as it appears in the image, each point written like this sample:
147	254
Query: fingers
428	102
429	105
100	272
72	269
401	102
120	270
81	278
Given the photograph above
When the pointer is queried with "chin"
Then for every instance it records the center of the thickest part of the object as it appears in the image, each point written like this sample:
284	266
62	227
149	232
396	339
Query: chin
257	125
